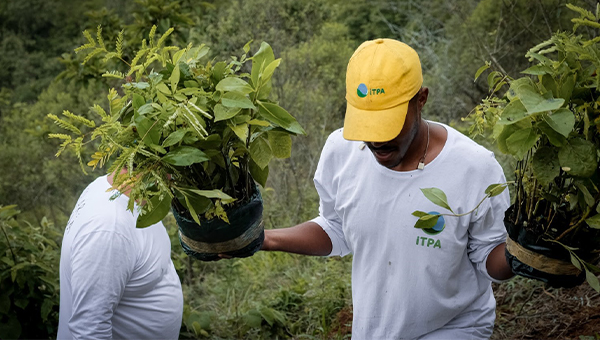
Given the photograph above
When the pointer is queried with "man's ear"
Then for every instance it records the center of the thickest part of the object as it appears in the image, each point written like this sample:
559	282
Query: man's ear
423	95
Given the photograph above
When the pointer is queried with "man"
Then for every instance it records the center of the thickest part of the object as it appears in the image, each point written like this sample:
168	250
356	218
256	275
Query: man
116	281
407	283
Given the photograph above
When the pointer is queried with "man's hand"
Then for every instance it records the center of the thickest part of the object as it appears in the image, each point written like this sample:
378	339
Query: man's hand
307	238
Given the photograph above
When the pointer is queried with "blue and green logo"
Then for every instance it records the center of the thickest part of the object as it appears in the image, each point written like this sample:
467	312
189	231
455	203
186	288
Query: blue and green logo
362	90
438	227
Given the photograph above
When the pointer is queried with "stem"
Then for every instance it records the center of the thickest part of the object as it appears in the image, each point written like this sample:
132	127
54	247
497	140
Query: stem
587	213
8	243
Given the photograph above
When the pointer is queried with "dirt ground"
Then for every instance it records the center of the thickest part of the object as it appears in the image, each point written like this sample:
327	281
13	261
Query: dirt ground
528	309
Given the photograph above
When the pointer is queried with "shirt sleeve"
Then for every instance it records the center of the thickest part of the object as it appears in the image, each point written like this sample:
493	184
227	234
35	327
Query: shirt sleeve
101	263
328	218
486	230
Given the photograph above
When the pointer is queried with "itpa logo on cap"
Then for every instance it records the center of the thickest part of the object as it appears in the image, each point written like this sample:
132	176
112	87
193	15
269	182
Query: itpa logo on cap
363	91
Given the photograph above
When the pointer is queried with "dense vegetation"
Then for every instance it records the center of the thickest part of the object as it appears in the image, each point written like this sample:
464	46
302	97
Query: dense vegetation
270	295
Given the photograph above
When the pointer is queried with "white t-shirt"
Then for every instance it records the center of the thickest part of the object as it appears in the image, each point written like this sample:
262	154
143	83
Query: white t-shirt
116	281
409	283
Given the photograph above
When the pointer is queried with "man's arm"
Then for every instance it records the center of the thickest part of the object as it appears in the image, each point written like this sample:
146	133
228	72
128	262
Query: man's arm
307	238
496	264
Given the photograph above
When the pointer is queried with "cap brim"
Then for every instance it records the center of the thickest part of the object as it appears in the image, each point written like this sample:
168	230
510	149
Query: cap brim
374	125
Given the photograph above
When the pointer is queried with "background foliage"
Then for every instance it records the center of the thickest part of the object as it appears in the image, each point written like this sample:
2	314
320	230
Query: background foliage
269	295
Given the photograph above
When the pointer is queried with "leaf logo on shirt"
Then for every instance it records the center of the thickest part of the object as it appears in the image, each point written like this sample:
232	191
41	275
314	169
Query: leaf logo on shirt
438	227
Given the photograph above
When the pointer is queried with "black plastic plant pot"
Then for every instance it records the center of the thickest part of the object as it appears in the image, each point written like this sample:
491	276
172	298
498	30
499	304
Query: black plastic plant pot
530	256
241	237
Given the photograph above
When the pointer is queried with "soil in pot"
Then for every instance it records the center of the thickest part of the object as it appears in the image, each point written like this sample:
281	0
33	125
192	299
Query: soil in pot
529	255
241	237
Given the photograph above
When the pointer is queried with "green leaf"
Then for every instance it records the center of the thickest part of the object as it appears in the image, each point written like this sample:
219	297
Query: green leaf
223	113
260	151
480	70
545	165
579	157
137	101
567	86
279	116
493	79
592	280
512	113
160	209
163	88
259	175
234	84
535	102
268	71
240	130
174	78
575	261
437	196
148	129
562	121
554	137
538	70
184	156
281	143
419	213
237	100
259	122
216	193
520	142
174	138
46	308
263	57
495	189
427	221
593	222
10	329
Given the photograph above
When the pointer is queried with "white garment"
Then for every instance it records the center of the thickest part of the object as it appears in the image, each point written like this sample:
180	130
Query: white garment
116	281
407	283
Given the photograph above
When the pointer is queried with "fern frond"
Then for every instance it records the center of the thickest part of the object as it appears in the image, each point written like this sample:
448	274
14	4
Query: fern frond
77	145
151	35
164	37
114	74
99	36
82	120
144	44
134	69
64	124
63	146
583	12
137	57
91	42
92	54
59	136
160	181
100	111
120	44
109	56
585	22
150	61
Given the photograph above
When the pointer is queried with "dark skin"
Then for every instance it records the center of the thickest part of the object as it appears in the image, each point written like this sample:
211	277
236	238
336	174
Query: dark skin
402	153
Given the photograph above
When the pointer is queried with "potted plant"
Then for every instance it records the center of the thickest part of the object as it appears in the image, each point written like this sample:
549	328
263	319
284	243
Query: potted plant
188	135
549	120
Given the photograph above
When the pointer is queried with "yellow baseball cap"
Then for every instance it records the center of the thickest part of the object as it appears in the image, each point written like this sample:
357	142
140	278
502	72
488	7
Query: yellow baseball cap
382	76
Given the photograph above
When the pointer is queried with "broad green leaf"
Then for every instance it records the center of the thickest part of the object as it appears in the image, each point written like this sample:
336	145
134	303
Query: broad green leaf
163	88
592	280
493	79
419	213
269	69
281	143
554	137
236	100
184	156
545	165
538	70
137	101
520	142
223	113
437	196
583	190
480	70
495	189
535	102
562	121
512	113
593	222
263	57
259	122
177	56
240	130
279	116
260	151
174	78
234	84
160	209
148	129
567	86
259	175
575	262
200	204
427	221
174	138
216	193
579	156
